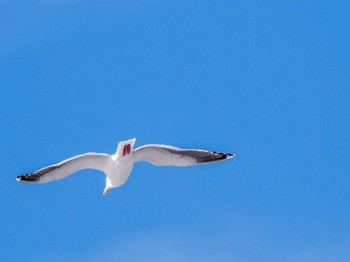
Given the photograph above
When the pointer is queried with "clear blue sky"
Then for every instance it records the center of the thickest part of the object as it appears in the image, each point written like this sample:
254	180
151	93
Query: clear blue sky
266	80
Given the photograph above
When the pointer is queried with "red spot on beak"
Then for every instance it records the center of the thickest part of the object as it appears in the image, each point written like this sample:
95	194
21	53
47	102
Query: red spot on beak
129	148
126	149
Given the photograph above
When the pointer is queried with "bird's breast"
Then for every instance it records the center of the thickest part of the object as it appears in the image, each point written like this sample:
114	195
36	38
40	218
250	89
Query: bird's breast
120	170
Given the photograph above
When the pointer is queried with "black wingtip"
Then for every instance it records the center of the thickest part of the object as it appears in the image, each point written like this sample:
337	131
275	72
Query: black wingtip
228	156
27	178
213	156
224	156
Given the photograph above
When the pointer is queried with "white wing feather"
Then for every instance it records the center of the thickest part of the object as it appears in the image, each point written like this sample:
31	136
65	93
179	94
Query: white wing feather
67	167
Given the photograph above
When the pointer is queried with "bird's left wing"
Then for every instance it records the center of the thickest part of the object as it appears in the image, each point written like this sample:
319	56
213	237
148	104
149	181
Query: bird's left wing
65	168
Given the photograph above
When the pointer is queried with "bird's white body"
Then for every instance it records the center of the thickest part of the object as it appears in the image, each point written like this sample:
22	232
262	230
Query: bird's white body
118	166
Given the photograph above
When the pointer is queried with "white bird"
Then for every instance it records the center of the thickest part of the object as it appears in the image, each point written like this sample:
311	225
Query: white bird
118	166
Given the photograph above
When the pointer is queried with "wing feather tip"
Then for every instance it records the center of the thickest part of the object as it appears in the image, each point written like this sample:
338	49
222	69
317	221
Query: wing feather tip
228	156
26	179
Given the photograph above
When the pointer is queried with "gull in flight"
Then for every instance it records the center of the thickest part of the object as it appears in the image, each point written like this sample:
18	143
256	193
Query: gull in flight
118	166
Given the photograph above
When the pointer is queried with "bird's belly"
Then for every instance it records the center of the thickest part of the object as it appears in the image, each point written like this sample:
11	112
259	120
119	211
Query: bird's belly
122	173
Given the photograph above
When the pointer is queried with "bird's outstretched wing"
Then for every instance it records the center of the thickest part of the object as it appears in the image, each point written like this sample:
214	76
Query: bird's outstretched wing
163	155
66	167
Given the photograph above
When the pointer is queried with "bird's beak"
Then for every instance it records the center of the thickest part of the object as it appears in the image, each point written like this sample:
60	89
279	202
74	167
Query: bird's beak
105	191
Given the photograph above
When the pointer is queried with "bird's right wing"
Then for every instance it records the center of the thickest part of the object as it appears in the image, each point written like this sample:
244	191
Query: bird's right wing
163	155
67	167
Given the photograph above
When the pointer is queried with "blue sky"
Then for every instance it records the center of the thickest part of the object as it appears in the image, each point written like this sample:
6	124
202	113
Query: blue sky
266	81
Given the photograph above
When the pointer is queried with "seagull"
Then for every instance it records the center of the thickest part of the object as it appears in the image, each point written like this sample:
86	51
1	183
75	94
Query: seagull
118	166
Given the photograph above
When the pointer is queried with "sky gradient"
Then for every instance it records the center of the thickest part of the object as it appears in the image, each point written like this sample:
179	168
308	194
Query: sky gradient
268	82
